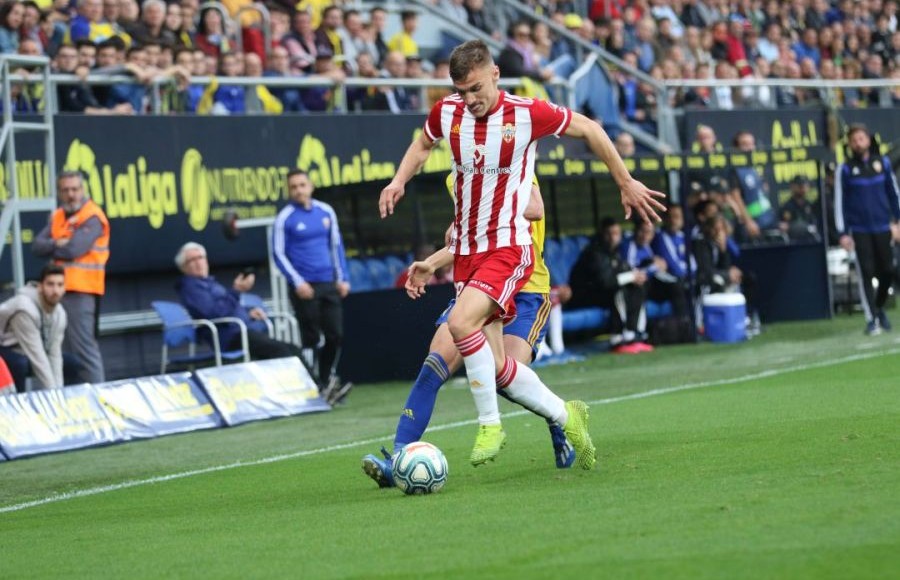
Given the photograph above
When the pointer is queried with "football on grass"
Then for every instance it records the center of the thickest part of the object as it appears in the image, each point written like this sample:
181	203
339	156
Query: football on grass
420	468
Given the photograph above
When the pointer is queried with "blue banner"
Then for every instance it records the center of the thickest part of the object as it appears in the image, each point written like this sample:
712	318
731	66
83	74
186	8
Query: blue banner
260	390
154	406
54	420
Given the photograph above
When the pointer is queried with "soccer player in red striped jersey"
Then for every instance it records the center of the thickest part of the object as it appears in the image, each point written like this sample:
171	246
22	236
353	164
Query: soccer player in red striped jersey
492	136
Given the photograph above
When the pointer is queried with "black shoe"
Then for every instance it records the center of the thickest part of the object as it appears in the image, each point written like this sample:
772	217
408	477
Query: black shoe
337	395
883	321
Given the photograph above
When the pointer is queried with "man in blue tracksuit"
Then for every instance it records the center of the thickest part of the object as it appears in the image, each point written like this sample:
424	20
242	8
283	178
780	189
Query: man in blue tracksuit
866	212
309	251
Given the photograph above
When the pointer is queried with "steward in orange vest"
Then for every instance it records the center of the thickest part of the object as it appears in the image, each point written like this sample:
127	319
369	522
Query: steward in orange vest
85	273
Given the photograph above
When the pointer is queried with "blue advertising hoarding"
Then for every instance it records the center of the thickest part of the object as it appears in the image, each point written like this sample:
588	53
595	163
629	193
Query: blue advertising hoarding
54	420
159	405
261	390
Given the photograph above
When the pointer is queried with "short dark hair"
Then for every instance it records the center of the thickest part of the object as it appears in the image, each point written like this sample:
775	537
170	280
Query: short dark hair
856	128
607	222
408	14
468	56
69	174
51	270
295	172
84	42
737	136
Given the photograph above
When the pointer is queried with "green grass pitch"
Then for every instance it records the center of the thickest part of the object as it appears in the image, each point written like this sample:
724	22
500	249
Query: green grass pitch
777	458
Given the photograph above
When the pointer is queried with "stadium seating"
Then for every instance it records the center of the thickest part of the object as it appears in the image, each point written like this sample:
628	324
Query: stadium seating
180	332
379	273
360	278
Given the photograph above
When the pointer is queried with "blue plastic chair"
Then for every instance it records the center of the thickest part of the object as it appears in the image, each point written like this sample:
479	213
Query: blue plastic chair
251	301
180	330
360	279
379	273
395	266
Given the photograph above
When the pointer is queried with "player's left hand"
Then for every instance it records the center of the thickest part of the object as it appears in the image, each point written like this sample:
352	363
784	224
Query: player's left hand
419	275
639	198
390	196
343	289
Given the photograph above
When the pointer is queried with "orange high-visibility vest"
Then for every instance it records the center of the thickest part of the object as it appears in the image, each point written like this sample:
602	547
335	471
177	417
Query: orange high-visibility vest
87	273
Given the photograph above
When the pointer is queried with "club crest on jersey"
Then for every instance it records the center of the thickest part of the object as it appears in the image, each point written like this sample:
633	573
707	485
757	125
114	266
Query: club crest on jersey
876	166
509	132
326	222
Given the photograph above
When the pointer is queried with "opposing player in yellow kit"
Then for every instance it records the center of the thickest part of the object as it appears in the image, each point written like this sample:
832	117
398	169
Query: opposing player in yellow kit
521	340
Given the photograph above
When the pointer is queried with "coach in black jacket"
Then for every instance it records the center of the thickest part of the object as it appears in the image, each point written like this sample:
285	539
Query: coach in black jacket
601	277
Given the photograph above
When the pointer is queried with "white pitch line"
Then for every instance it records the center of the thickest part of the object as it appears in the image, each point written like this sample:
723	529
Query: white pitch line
285	456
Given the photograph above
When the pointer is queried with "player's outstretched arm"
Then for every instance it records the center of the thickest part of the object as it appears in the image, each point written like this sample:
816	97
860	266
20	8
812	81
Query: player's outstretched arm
635	195
412	162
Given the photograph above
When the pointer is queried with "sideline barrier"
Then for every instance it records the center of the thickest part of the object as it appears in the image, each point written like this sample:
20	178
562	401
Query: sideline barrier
54	420
154	406
261	390
90	415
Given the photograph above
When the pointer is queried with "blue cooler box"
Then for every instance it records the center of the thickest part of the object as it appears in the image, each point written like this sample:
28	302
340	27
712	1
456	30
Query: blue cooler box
724	317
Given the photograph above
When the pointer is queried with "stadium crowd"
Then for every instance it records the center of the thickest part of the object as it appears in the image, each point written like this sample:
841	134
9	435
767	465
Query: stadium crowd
667	39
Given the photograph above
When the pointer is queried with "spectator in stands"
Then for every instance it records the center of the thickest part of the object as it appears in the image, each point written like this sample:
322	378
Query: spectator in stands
279	22
279	66
518	58
440	276
181	31
329	38
77	237
808	46
479	18
354	38
211	36
867	216
301	44
435	94
234	99
646	48
309	251
77	97
11	17
403	40
32	327
800	216
601	278
624	144
394	99
377	22
132	94
360	98
693	47
152	25
321	98
91	25
695	14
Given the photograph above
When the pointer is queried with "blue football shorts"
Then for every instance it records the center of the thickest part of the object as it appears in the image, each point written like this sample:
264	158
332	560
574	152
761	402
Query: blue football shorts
530	324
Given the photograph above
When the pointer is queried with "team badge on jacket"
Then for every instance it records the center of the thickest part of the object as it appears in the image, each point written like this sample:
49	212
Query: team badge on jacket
326	222
876	166
509	132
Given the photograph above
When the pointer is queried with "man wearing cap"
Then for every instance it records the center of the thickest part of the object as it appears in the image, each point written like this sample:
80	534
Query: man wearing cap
866	214
800	216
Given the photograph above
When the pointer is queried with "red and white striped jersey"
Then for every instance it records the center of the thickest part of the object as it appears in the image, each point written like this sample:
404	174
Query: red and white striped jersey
493	166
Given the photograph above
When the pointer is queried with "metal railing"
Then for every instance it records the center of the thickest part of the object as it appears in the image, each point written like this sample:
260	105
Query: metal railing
13	206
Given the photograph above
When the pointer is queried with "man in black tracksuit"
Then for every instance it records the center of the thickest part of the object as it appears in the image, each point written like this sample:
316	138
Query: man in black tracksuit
866	212
601	277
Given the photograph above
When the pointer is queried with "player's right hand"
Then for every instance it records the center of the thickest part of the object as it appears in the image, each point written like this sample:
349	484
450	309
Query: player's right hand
419	275
846	242
390	196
